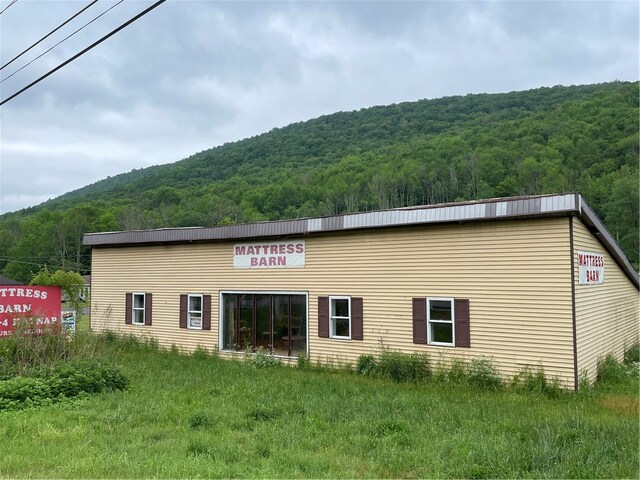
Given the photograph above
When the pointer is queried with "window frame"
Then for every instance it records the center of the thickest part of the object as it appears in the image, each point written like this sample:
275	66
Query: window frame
189	311
333	317
221	319
452	322
134	308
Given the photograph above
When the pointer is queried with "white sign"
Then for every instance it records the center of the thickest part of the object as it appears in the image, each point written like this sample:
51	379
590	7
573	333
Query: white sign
287	254
590	268
69	321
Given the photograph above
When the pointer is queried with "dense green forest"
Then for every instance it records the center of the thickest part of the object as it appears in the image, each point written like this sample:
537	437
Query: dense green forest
547	140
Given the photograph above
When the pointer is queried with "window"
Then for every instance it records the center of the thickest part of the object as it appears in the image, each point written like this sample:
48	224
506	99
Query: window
195	312
340	317
138	309
440	317
441	321
273	322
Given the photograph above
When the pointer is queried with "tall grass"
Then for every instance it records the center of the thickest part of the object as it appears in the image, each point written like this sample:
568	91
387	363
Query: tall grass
200	416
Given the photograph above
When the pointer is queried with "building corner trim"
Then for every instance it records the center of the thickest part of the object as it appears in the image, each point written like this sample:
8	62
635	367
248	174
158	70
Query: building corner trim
576	379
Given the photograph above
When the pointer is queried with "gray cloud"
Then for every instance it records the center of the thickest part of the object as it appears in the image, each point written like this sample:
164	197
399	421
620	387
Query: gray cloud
192	75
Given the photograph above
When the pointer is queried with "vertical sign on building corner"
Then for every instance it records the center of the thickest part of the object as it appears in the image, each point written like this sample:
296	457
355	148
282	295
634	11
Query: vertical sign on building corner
590	268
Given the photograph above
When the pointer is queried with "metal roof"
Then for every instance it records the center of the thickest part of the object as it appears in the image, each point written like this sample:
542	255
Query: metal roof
481	210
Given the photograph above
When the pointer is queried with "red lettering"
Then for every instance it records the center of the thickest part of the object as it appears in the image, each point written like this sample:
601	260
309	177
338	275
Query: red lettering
299	248
282	261
240	250
254	261
274	250
291	248
272	261
282	249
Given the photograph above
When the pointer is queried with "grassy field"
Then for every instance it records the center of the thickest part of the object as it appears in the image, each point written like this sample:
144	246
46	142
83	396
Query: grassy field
199	416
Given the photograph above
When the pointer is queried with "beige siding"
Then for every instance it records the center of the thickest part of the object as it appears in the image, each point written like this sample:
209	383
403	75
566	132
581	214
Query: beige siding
606	315
516	275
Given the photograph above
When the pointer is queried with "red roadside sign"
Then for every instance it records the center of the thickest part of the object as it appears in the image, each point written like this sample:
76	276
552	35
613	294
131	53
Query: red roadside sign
41	305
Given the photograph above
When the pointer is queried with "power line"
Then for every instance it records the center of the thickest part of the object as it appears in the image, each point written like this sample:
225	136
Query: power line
5	8
63	40
94	44
47	35
45	264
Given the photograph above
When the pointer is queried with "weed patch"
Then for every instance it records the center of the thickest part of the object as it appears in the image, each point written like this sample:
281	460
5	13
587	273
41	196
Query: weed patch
535	381
62	381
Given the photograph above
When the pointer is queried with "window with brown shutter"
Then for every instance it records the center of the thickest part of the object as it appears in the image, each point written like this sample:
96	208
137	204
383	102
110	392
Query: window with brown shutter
138	308
441	321
420	320
323	317
195	311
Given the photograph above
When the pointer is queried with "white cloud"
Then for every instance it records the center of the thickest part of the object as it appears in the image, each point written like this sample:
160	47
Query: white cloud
192	75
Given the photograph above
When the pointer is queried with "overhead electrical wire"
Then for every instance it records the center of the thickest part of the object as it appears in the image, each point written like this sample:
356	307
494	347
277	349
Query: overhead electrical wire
5	8
82	52
63	40
48	34
45	264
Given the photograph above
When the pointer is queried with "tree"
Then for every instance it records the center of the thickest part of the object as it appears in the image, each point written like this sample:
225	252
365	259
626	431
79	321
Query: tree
71	283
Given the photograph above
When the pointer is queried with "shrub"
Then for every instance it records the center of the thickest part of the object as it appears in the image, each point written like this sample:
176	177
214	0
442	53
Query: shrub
403	367
458	372
481	373
612	371
22	388
536	382
64	380
366	365
263	360
632	355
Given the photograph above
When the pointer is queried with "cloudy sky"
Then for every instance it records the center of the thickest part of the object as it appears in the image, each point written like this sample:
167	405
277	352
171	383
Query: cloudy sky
191	75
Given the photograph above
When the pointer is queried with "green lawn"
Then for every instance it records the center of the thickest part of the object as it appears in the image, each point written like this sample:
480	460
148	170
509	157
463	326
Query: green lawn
193	416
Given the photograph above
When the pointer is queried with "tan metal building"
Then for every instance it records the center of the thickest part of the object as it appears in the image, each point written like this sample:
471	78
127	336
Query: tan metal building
527	281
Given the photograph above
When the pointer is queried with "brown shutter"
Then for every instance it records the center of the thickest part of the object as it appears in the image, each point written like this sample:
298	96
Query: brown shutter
148	310
128	307
356	319
183	311
206	312
323	317
463	331
420	320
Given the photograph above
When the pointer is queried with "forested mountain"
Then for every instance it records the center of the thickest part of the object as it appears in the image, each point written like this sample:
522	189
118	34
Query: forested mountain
547	140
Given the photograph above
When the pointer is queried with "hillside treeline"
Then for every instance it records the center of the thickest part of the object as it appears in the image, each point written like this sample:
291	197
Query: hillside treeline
547	140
